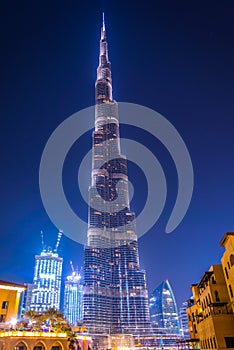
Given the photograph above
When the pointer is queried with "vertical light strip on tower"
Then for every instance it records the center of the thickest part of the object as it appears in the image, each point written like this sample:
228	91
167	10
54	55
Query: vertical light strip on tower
115	292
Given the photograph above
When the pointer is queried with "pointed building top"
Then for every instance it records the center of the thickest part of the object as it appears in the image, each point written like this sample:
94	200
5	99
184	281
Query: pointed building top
103	30
103	22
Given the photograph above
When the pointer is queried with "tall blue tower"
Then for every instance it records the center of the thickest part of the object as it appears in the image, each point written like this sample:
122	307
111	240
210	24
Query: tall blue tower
115	292
73	298
163	310
46	289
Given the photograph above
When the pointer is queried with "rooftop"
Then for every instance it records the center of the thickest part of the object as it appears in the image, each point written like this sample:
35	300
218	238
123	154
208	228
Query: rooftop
225	237
12	286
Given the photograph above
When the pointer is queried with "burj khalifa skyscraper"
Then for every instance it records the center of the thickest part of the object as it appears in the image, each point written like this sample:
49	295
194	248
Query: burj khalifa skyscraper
115	293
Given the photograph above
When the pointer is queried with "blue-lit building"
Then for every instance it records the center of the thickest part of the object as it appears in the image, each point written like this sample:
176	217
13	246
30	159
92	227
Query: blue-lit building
115	292
47	279
25	299
73	299
184	321
163	310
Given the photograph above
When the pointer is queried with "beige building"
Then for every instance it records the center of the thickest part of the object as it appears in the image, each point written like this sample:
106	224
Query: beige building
9	300
28	340
210	312
228	264
24	340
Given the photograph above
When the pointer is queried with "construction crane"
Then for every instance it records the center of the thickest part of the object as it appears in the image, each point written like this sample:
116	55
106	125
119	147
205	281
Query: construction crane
60	233
42	241
75	273
72	267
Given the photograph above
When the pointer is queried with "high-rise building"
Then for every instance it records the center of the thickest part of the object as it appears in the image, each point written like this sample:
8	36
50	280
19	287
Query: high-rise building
73	299
47	279
184	320
25	300
115	292
163	310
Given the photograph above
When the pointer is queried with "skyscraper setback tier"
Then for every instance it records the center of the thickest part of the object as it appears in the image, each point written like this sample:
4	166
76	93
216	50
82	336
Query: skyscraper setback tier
115	292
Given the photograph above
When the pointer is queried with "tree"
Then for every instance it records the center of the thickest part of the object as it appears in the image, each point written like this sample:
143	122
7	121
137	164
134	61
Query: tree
34	318
54	318
73	342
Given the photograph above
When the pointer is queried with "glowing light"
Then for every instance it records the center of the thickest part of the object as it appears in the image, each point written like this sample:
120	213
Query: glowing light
13	321
18	289
47	275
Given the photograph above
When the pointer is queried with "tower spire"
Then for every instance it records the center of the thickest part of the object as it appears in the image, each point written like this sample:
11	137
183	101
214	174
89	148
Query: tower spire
103	22
103	82
103	29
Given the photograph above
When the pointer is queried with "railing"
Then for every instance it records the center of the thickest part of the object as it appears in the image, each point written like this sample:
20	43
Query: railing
32	334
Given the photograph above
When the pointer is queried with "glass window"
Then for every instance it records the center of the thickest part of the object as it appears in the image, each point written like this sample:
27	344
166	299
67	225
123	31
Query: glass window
231	292
229	342
2	318
4	304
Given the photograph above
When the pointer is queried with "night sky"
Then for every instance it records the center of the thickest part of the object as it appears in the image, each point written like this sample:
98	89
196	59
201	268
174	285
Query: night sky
175	57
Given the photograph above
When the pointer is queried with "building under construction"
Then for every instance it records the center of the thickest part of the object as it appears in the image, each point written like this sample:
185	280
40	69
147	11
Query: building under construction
73	297
47	278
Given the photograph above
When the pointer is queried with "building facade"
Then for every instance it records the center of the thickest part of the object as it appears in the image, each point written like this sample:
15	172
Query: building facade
115	293
25	300
47	281
210	314
163	310
10	294
228	264
73	299
183	319
25	340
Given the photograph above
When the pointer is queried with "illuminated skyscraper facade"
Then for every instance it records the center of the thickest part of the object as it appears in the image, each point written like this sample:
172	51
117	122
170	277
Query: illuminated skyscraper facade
25	300
115	293
47	281
73	299
184	320
163	310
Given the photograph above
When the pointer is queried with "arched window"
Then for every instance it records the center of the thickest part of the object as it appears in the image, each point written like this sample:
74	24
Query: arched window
217	296
39	346
20	346
57	346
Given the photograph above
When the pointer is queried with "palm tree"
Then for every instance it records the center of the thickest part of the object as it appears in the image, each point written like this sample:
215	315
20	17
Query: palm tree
34	318
55	318
73	342
31	315
51	317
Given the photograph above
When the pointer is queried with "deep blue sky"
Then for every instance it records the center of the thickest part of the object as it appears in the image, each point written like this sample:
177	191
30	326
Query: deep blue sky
173	56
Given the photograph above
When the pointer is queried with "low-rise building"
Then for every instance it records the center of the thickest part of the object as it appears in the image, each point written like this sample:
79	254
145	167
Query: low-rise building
211	310
26	340
9	300
228	264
